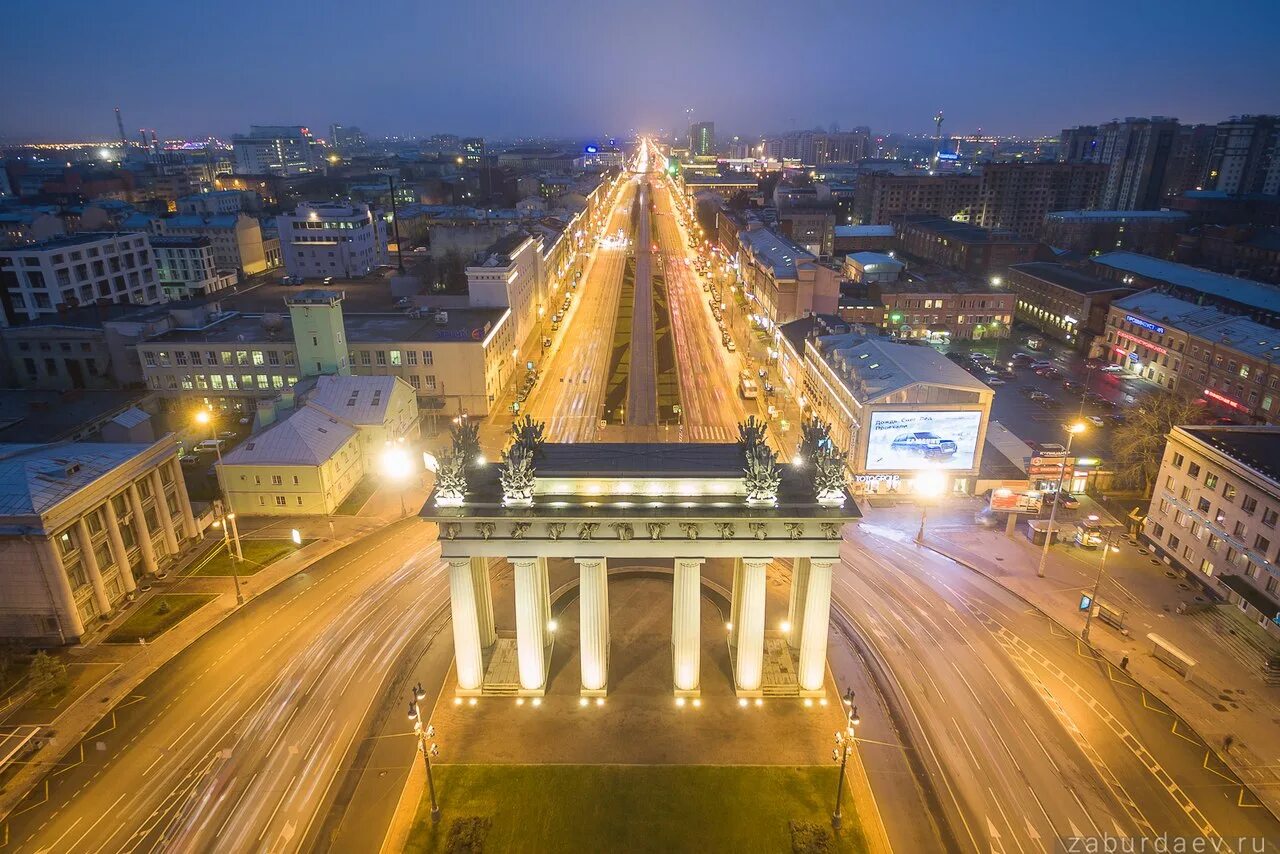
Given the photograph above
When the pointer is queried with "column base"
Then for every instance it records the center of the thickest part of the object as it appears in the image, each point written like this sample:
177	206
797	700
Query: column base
687	692
540	691
593	692
813	695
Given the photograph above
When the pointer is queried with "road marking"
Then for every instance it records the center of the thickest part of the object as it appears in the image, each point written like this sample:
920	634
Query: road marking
236	805
90	828
1152	708
1174	729
54	846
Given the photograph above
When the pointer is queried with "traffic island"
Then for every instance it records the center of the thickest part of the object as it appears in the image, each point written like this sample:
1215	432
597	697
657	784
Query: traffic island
659	808
157	615
258	554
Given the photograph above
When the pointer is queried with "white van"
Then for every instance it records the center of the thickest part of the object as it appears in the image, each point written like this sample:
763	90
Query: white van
748	388
210	446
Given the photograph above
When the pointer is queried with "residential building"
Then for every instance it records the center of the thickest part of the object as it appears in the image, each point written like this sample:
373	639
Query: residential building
1188	161
20	226
1258	301
76	415
473	152
216	203
975	251
1062	302
783	280
702	139
305	461
1152	233
1214	513
347	139
895	409
1137	153
1148	334
322	239
939	307
510	276
812	228
81	525
238	240
863	238
1245	156
882	196
80	269
1017	196
186	267
276	150
728	184
1249	252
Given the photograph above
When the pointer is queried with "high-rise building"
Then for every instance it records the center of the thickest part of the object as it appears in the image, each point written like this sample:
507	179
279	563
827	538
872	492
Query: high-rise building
1137	153
1245	156
1188	162
347	139
1018	196
473	151
702	139
880	196
1079	145
276	150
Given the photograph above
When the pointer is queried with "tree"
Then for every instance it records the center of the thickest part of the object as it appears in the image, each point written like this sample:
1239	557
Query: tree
48	674
1138	444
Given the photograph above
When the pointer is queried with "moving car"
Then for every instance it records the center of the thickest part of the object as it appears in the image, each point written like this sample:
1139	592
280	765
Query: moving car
748	388
1112	369
925	444
1095	421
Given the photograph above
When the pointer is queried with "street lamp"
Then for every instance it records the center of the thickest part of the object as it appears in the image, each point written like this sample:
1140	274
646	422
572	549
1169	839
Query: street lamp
397	466
1072	431
425	733
225	522
204	417
930	483
1107	546
845	742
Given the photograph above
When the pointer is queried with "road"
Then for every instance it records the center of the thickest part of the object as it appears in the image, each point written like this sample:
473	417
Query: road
1027	736
642	384
235	744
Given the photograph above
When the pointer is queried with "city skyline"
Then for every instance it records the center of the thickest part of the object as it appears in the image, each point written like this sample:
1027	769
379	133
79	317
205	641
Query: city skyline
555	72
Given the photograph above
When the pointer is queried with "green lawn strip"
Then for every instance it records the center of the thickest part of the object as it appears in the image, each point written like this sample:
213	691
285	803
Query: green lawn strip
258	554
664	358
352	504
632	808
619	374
151	620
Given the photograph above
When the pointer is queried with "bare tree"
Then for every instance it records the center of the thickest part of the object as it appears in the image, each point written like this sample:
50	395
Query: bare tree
1138	444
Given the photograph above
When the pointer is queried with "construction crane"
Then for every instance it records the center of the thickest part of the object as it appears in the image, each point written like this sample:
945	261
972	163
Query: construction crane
124	141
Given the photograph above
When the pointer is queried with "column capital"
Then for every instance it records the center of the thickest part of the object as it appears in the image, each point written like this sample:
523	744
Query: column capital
823	562
458	561
523	560
589	561
692	560
757	561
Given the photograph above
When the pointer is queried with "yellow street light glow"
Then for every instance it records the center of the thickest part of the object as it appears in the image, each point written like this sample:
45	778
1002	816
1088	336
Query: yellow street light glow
930	483
396	463
742	701
680	702
537	701
599	701
786	626
582	701
1078	427
202	416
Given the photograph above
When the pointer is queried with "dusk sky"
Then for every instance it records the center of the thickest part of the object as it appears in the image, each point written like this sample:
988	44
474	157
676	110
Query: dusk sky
584	68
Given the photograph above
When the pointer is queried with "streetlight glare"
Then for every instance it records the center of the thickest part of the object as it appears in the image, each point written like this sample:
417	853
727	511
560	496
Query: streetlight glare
1078	427
930	483
396	463
202	416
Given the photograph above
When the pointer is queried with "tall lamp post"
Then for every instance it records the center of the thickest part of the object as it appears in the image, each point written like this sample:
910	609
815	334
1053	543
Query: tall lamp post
1072	431
1107	547
845	743
225	521
424	734
226	517
928	484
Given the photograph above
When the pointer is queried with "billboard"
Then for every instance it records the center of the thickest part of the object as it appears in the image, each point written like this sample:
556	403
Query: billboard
904	441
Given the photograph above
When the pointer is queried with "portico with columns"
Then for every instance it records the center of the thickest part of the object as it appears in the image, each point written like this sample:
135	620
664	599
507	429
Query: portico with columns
673	505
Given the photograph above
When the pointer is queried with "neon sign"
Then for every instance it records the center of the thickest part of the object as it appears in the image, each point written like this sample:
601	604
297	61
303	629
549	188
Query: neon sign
1234	404
1145	324
1142	342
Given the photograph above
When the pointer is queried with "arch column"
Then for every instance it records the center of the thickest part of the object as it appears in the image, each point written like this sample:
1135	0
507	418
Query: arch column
532	636
593	631
145	547
90	560
748	627
484	600
118	552
813	630
466	625
796	602
163	514
686	639
189	528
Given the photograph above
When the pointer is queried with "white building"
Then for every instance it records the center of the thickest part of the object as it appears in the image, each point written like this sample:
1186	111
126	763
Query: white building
276	150
213	204
510	276
238	241
322	239
1215	510
80	270
80	525
186	267
308	461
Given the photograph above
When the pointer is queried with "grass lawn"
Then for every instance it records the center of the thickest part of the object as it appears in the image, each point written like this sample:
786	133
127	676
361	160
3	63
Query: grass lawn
352	503
633	808
151	620
257	554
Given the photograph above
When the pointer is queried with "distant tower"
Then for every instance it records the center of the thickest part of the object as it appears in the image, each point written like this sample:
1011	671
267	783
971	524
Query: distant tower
937	137
319	333
124	141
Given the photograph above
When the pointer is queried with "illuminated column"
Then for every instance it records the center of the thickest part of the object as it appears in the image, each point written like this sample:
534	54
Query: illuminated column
466	627
686	640
189	529
162	511
90	560
795	605
813	629
593	625
544	599
749	627
531	624
118	552
145	546
69	621
484	600
735	602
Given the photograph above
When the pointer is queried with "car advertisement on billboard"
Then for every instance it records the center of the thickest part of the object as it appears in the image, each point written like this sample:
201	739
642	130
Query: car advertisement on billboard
901	441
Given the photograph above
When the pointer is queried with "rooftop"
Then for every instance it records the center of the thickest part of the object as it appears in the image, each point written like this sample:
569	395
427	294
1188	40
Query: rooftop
867	259
30	415
1243	291
36	477
1254	447
305	437
961	231
467	324
864	231
1209	323
360	400
1107	216
742	180
776	251
1067	277
70	241
879	366
797	331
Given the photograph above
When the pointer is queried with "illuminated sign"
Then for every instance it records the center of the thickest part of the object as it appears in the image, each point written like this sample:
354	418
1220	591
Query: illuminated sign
591	149
1234	404
1145	324
948	155
910	441
1141	341
890	479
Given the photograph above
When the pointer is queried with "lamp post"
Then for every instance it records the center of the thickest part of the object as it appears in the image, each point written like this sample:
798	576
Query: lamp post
845	742
928	484
1072	431
225	521
1107	546
425	733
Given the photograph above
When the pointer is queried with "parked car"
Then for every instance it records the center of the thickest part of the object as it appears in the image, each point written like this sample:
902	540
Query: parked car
1066	500
924	444
1095	421
1028	390
995	380
1073	386
1038	395
1112	369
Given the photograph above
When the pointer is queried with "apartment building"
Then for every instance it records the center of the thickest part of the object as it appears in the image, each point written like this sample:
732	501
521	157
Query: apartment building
1152	233
325	239
1018	196
187	268
238	241
965	248
80	269
783	280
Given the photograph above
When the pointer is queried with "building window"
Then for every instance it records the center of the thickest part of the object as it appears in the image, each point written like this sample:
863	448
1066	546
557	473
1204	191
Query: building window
1229	492
280	500
1211	481
1214	542
1203	505
1206	567
1261	544
382	358
1177	460
277	480
395	357
1193	470
426	358
1269	517
364	358
431	382
1248	504
411	357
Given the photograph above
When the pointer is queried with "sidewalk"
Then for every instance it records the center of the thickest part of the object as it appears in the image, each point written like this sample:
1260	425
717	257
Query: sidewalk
1227	694
133	663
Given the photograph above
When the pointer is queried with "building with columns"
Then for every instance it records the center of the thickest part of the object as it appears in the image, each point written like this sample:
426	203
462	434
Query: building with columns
81	525
681	505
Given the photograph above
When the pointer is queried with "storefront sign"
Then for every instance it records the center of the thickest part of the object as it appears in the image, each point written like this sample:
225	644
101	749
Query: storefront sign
1234	404
1141	342
1015	501
1145	324
886	479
